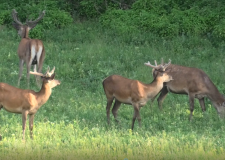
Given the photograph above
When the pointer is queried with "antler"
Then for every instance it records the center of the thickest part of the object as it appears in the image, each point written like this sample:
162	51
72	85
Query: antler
53	70
166	65
157	67
47	74
15	18
37	73
160	67
34	23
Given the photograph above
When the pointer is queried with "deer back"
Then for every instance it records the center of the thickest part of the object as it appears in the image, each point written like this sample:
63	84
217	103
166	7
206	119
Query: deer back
190	80
116	84
15	99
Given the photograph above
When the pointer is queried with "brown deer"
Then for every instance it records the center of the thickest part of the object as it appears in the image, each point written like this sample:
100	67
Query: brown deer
30	51
27	102
133	92
193	82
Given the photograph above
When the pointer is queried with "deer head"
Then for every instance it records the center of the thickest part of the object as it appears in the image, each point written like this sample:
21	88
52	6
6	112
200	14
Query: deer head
23	28
48	78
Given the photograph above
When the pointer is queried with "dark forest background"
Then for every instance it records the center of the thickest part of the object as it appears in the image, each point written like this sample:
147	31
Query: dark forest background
164	18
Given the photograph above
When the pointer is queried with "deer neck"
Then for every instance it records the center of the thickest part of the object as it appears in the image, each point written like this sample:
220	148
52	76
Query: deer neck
44	94
25	33
153	88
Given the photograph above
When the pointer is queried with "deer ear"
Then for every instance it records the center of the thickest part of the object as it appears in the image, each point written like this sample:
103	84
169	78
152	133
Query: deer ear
168	70
52	76
153	72
16	26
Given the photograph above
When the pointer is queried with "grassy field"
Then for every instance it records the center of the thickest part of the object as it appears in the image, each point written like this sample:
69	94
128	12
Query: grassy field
72	124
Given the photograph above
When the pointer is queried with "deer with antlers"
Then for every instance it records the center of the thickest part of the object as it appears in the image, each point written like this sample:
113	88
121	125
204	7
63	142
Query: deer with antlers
193	82
27	102
133	92
30	51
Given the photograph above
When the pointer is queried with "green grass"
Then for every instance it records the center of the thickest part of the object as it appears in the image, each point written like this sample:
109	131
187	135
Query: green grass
72	124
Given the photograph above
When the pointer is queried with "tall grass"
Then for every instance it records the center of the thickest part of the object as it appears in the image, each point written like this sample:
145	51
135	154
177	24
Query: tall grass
72	124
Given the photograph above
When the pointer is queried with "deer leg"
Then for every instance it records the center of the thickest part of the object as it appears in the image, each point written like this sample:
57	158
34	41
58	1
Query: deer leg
37	77
20	70
191	103
31	121
29	61
28	74
35	68
202	104
162	96
116	106
40	61
109	104
24	119
136	115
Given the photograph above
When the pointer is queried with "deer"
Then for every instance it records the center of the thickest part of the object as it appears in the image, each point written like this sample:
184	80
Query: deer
133	92
193	82
25	101
30	51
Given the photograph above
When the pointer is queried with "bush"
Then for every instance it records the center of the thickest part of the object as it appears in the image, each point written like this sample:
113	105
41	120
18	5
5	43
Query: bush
219	30
128	21
164	18
56	19
168	18
4	17
189	21
119	20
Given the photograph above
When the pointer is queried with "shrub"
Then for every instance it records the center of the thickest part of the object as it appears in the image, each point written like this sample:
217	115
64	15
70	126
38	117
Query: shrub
119	20
219	30
4	17
168	18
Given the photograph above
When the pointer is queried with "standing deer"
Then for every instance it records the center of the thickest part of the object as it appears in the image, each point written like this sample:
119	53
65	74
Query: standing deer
133	92
30	51
27	102
193	82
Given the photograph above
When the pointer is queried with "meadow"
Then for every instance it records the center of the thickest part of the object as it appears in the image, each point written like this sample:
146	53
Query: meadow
72	124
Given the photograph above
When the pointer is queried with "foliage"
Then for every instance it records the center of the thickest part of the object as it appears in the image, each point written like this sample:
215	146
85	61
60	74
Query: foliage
164	18
168	18
90	8
119	20
219	30
4	18
94	8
